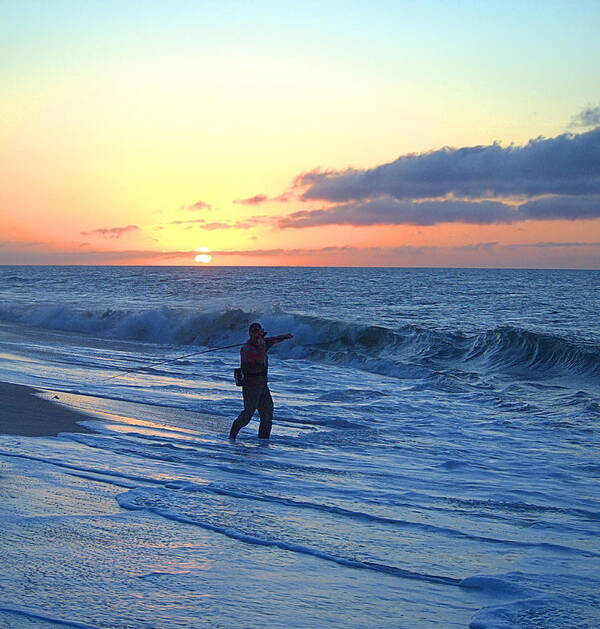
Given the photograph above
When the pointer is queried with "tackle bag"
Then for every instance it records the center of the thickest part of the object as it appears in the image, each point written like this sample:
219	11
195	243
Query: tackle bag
238	376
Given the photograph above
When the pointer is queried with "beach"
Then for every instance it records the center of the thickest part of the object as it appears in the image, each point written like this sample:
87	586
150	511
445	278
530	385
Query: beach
22	412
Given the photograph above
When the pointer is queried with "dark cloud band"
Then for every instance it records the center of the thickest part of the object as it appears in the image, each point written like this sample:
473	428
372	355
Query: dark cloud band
390	211
564	165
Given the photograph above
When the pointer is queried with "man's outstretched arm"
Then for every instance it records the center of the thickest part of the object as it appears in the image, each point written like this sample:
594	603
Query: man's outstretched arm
272	340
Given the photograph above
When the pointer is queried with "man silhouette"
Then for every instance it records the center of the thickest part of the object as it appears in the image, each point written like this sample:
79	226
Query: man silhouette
255	389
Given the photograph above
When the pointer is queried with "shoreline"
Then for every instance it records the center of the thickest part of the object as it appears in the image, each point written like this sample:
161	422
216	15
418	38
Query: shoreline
23	413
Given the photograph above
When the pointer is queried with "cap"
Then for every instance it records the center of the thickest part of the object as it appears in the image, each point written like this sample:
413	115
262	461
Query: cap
255	327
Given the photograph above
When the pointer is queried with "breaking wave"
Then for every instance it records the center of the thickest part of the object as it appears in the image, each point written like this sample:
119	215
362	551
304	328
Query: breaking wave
408	351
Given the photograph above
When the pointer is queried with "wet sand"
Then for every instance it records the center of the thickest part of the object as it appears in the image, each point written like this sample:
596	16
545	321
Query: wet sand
23	413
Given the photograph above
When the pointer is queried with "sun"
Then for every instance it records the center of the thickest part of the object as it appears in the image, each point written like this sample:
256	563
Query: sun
203	256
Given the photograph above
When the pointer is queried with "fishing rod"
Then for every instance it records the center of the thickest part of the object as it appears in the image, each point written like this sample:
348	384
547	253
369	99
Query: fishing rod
170	360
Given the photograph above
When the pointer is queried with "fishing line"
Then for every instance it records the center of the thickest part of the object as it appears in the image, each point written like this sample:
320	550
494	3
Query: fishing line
170	360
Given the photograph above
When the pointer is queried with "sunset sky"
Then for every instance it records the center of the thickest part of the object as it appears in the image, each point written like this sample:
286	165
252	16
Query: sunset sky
451	133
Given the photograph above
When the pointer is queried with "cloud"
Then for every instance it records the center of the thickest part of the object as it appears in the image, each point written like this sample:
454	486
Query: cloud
588	117
562	207
371	252
374	252
389	211
284	197
254	221
18	252
576	254
552	245
292	193
213	226
111	232
9	244
248	223
202	224
545	179
195	207
480	246
567	164
199	205
255	200
281	252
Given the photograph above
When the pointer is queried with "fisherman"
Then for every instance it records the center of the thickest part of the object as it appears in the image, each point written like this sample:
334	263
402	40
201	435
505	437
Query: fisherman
255	388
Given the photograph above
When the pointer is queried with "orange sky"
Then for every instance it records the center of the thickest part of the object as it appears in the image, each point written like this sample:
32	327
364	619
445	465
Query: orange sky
131	135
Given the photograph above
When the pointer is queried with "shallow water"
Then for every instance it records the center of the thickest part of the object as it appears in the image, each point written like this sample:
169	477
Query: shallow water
434	459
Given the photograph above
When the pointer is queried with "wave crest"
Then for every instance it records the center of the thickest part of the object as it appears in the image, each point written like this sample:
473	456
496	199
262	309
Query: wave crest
409	351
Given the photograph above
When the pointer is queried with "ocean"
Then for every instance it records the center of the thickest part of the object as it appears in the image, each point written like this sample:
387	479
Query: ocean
433	461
